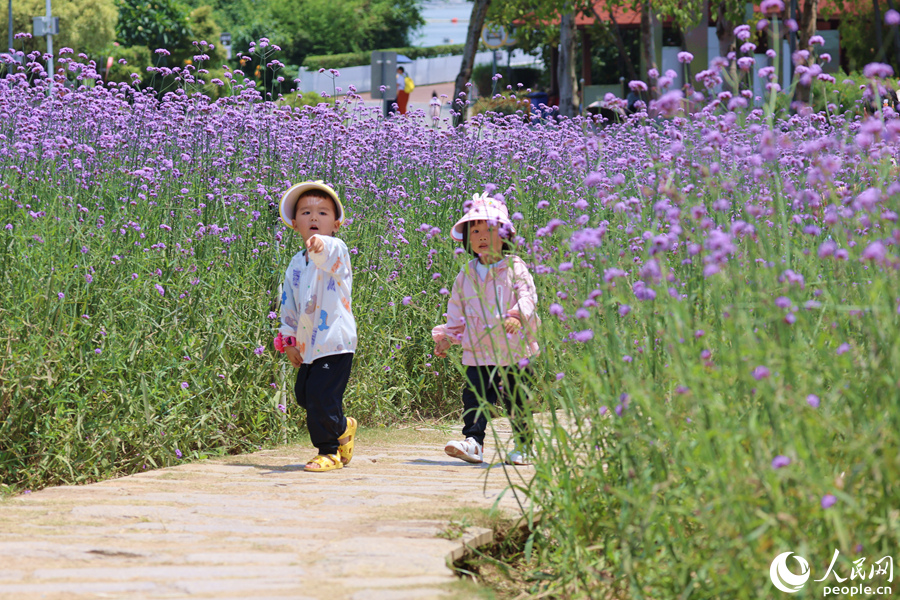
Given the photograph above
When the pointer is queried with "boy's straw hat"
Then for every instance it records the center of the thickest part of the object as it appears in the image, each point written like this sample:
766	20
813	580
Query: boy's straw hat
484	208
289	199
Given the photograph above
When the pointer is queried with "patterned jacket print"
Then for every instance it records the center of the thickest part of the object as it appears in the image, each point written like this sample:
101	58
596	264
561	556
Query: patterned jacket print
315	302
476	311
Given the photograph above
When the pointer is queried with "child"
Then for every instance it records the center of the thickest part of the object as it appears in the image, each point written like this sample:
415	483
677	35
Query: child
491	313
434	109
318	330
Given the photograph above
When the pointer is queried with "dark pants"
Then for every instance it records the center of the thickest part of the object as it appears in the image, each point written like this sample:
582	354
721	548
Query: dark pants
491	383
320	390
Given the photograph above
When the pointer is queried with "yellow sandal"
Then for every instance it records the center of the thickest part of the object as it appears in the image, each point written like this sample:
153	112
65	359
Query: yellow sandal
346	441
324	462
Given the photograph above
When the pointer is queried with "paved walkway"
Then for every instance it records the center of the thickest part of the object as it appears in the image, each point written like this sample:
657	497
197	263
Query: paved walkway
256	527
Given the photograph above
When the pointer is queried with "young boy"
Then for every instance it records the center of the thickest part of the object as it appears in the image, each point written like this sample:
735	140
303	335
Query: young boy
318	330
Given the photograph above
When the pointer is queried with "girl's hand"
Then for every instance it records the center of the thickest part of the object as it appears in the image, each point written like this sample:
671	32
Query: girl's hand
294	356
512	325
441	347
315	244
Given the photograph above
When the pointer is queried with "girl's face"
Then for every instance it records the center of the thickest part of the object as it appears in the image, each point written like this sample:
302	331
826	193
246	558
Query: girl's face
485	241
315	215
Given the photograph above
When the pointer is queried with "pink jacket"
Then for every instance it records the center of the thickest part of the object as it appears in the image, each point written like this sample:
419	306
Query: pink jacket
476	311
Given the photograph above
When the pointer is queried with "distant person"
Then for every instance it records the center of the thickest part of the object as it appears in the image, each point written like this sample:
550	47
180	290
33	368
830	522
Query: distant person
318	331
434	109
405	86
632	98
492	314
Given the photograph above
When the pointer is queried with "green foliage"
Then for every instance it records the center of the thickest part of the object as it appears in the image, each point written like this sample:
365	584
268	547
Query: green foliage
136	60
482	77
859	41
355	59
505	104
843	96
297	100
86	26
153	23
204	28
306	27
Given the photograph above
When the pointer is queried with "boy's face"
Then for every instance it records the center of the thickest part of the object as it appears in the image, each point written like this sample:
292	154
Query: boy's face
315	215
485	240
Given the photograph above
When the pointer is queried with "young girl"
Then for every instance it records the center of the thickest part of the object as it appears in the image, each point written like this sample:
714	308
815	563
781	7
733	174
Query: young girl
491	313
434	109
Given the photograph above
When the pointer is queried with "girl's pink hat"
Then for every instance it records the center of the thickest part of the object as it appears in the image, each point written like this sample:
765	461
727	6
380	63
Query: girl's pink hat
484	208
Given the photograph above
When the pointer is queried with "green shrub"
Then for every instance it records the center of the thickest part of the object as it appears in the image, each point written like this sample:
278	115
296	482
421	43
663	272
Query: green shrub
357	59
482	77
136	60
506	104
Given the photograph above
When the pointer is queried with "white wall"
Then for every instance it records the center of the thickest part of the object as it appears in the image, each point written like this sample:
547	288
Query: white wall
424	71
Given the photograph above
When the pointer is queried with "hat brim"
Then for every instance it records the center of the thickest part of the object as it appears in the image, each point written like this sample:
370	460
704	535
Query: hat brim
290	197
457	232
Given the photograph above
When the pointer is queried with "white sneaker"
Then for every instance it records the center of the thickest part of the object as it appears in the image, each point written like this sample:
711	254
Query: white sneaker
469	450
517	457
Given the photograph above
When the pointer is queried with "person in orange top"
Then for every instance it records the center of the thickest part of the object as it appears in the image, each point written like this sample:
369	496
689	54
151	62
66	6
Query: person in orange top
402	94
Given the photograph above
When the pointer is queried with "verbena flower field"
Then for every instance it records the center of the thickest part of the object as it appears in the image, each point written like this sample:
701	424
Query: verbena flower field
719	292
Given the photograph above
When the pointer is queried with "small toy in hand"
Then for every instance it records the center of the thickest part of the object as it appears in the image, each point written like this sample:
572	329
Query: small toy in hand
281	342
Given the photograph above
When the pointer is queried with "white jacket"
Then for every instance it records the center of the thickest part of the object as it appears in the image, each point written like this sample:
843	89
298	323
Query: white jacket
315	301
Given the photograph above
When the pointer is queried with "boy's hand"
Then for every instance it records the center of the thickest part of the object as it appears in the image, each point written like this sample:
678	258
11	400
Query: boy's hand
441	347
315	244
512	325
294	356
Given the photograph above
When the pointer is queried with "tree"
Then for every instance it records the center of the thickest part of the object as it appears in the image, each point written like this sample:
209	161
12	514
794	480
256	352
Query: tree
568	106
86	26
153	23
476	24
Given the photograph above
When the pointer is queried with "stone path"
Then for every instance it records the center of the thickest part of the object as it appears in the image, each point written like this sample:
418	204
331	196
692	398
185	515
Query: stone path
258	527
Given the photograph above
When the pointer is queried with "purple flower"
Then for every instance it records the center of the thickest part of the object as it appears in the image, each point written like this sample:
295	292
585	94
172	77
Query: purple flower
523	363
624	310
828	501
813	400
771	6
627	358
637	86
685	57
60	295
760	372
88	278
780	461
406	300
559	376
892	17
273	315
178	453
669	103
282	408
583	336
160	289
184	385
876	252
97	351
877	71
843	348
259	350
556	309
